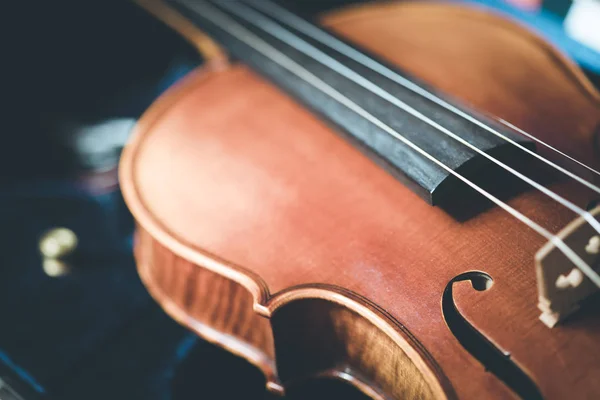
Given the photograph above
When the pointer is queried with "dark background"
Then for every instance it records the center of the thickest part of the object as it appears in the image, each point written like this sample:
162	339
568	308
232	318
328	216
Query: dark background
93	333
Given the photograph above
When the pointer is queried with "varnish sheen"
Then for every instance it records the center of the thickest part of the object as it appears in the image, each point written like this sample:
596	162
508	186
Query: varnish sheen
270	235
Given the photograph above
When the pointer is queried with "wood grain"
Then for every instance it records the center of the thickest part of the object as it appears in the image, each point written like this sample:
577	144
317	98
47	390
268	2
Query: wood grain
318	337
236	180
217	308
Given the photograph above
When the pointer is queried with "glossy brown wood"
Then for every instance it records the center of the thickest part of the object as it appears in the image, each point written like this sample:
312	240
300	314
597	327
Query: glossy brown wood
250	207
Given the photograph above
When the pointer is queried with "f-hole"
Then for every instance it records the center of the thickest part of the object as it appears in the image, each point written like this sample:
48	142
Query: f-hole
493	360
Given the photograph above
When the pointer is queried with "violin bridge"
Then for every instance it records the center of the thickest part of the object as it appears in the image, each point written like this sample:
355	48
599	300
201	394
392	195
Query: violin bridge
562	287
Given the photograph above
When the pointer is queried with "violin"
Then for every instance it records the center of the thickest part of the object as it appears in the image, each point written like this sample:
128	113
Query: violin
398	195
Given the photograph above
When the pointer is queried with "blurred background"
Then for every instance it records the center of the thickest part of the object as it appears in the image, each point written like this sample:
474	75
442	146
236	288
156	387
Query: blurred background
75	321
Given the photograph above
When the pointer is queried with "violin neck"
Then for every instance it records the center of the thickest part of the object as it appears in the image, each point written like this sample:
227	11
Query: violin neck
346	86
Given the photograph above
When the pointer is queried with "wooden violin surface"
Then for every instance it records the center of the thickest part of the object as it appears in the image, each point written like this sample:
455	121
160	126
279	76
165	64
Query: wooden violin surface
267	233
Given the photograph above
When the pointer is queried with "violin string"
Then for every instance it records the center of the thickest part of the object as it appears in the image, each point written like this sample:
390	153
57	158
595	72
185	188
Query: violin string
269	26
530	136
282	15
249	38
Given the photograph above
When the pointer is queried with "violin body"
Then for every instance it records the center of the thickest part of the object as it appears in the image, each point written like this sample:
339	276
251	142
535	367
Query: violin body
268	234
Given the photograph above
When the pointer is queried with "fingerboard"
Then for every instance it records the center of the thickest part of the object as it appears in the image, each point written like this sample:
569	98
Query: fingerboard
275	43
